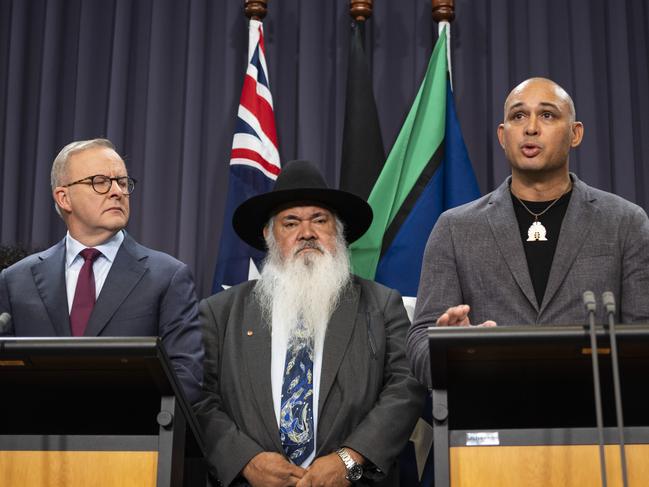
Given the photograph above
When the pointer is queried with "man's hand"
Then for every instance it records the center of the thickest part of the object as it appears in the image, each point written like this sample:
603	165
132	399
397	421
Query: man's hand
459	316
268	469
327	471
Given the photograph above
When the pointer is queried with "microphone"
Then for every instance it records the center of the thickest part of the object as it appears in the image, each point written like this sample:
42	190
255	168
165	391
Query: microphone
591	307
608	299
5	324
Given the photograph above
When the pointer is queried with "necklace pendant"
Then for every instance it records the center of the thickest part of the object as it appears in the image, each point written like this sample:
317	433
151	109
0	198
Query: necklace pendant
536	232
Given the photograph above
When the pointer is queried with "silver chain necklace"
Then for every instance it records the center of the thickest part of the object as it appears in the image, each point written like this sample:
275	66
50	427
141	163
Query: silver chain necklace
537	231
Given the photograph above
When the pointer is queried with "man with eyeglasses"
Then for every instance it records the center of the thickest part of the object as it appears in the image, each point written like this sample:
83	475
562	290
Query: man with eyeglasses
98	281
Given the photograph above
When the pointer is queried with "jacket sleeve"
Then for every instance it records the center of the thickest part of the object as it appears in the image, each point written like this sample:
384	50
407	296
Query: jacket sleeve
384	431
228	448
180	331
439	289
634	307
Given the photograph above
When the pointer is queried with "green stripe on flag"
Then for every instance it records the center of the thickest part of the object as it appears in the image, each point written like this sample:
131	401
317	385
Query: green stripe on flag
421	135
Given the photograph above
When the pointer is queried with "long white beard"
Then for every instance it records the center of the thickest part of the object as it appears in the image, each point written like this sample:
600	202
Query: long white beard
303	288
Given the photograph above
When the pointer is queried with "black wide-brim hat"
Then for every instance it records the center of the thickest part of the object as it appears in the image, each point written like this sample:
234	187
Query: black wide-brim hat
300	184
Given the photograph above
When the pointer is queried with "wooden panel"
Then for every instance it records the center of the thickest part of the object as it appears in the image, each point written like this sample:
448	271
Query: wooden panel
77	468
545	466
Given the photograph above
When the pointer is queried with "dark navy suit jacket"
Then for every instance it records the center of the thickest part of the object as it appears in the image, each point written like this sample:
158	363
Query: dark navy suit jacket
146	293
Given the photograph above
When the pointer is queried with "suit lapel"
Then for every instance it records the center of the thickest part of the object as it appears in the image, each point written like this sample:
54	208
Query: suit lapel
504	228
256	351
127	270
339	332
575	228
49	278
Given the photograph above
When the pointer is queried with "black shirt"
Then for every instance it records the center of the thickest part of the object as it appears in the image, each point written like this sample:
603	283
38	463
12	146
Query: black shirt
539	253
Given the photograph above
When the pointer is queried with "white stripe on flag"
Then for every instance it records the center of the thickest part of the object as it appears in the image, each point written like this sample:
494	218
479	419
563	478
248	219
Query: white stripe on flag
250	142
260	88
268	151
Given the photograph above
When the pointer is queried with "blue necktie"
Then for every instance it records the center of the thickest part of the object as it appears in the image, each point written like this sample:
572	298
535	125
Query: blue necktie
296	415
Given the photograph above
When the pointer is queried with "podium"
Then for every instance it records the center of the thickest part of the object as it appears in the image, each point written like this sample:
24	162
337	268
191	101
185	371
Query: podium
94	412
514	406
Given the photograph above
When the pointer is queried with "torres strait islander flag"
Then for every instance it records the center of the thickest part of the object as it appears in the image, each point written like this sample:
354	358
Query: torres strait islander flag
427	172
254	164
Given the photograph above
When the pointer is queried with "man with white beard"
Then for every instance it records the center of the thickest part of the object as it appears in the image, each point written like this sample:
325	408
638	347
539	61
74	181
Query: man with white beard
306	378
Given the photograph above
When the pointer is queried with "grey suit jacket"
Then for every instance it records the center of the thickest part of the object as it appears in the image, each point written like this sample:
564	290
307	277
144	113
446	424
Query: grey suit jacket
369	400
146	293
475	256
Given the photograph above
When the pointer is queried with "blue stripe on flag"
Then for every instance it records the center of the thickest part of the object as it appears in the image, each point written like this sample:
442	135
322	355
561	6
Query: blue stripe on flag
255	61
451	185
244	128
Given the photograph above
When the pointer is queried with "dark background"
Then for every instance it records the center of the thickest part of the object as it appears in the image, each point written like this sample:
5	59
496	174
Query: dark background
162	79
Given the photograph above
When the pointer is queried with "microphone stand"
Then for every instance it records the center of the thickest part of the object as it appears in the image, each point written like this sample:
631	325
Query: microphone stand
589	303
608	299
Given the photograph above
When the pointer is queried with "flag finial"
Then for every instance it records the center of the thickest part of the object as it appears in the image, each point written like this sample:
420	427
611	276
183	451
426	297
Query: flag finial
443	10
256	9
360	10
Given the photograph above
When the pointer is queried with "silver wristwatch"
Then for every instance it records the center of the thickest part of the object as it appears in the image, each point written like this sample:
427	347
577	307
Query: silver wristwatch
354	470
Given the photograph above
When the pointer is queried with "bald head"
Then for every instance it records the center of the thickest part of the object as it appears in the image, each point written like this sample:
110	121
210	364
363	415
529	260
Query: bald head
562	95
538	131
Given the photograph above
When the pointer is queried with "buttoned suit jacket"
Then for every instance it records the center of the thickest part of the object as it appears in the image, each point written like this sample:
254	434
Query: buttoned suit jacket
146	293
475	256
369	401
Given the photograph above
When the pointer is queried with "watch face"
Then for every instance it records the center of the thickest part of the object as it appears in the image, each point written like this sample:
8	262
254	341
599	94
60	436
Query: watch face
355	473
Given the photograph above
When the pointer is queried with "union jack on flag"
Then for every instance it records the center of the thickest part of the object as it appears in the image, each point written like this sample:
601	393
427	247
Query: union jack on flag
254	163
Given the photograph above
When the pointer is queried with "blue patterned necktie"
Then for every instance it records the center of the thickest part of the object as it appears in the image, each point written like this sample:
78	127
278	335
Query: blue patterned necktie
296	415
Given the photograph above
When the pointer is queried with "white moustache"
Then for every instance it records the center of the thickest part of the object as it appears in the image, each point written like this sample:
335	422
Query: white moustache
309	244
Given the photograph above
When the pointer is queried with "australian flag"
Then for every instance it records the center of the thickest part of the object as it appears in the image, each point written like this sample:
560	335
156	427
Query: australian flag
254	163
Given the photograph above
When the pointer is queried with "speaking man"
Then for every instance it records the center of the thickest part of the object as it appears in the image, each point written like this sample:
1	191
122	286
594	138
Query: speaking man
305	373
98	281
525	253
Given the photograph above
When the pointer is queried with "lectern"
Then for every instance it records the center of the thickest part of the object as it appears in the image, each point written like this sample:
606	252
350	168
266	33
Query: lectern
94	411
514	406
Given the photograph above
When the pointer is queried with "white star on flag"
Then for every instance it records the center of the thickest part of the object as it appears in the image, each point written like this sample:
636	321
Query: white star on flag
253	273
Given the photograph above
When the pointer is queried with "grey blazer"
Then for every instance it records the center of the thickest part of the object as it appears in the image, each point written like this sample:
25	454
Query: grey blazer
146	293
369	400
475	256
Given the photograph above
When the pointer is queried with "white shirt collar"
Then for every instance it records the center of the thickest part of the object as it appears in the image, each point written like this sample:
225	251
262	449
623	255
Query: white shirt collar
108	249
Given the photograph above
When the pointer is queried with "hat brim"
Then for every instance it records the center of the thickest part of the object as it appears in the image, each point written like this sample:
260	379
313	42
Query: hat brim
253	214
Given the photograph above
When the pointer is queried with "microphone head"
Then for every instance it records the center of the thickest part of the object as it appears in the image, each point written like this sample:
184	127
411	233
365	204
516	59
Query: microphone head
608	300
589	301
5	323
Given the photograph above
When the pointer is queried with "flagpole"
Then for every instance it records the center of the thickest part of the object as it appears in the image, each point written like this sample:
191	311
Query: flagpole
256	9
443	14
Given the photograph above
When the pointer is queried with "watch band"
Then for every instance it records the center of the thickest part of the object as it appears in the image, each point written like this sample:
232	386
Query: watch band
354	470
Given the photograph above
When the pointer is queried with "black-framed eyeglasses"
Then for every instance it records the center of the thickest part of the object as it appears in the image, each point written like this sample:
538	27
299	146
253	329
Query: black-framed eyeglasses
102	184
